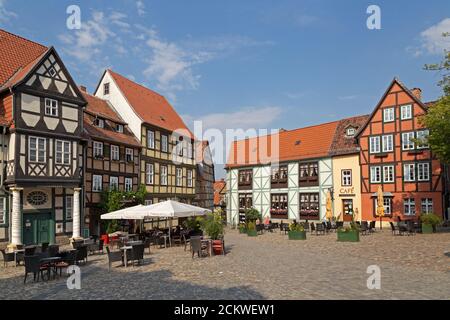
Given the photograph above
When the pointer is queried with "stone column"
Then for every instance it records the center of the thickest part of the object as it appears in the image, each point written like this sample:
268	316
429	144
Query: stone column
16	218
76	214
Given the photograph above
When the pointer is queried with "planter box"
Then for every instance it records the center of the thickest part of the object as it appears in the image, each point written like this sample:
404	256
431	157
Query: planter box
427	228
350	236
252	233
217	246
297	235
242	230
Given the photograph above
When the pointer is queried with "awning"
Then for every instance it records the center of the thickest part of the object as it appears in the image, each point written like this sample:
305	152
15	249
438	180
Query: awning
385	194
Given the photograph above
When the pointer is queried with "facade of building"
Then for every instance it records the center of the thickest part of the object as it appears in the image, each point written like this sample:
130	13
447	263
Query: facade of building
394	157
112	158
204	191
220	194
42	153
167	162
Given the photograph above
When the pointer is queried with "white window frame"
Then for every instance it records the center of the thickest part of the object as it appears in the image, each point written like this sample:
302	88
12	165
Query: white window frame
113	183
423	171
149	173
406	112
190	179
97	183
69	209
115	152
164	143
97	149
129	153
150	139
388	172
164	170
421	134
409	207
409	172
128	184
375	144
99	123
350	132
189	150
408	141
374	174
388	143
428	204
179	177
119	128
387	205
106	88
2	210
346	178
51	107
388	114
65	155
37	151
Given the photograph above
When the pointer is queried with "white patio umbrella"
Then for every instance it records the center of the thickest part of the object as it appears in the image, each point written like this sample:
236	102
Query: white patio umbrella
120	214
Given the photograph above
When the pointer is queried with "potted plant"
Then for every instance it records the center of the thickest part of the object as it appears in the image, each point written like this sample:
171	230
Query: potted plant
297	232
252	214
213	227
348	234
194	225
429	222
251	229
242	228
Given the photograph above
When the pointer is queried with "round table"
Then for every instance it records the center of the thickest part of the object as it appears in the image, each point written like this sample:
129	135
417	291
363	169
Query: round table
51	262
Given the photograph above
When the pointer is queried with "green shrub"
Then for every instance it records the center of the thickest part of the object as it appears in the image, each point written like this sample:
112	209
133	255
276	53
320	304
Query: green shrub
213	225
251	226
252	214
296	227
430	219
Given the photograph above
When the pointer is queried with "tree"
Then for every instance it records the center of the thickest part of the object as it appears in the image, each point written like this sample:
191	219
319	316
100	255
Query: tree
437	118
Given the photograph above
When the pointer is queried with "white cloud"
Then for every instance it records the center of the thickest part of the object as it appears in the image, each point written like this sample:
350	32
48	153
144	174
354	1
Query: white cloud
349	97
140	6
5	14
432	40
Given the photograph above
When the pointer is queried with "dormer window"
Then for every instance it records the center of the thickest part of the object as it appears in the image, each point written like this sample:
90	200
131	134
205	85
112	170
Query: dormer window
99	123
119	128
106	89
350	132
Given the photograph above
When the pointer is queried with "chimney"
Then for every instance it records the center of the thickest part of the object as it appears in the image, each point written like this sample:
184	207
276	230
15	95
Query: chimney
282	130
417	92
83	88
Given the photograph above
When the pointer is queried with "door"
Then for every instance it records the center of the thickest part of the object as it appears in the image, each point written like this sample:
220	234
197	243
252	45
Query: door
347	208
43	228
37	228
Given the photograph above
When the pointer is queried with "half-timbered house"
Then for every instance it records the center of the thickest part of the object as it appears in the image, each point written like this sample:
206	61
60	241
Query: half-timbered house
204	190
41	110
112	158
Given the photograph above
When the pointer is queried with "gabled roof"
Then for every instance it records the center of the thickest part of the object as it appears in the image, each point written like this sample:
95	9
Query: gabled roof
219	186
150	106
102	108
300	144
18	56
342	144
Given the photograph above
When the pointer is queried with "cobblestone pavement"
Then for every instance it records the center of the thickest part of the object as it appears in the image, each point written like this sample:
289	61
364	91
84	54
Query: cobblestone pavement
267	267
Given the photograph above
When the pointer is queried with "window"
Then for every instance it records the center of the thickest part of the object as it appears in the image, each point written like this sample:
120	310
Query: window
179	148
97	183
245	177
148	202
387	205
129	155
279	205
52	72
128	184
427	205
62	152
149	173
119	128
113	183
245	202
98	149
2	210
346	178
37	149
106	88
164	175
309	205
150	139
350	132
37	198
388	174
388	114
375	174
409	207
388	143
408	140
406	112
423	171
422	137
51	107
189	179
409	172
99	123
69	207
279	174
189	150
115	155
375	144
179	180
164	145
309	174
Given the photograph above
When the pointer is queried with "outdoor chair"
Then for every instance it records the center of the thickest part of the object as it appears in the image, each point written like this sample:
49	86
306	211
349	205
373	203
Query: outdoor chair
44	246
33	264
77	243
7	257
68	260
328	226
176	239
339	224
260	228
198	247
147	243
114	256
284	227
395	231
30	250
305	226
53	250
82	254
372	227
137	253
186	240
313	228
320	228
364	228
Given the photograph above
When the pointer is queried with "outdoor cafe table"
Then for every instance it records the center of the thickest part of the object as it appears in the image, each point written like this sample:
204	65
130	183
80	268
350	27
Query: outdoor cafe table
18	252
51	262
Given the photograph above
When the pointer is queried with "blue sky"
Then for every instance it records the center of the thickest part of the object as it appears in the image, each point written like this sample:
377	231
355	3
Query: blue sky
246	64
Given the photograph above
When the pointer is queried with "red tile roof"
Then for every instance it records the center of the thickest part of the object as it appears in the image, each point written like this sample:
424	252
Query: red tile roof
97	106
299	144
152	107
218	189
18	56
343	144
